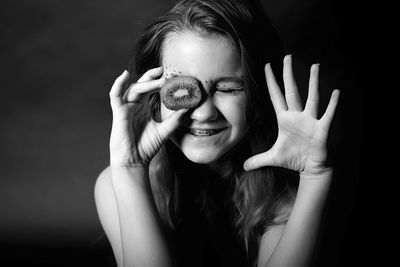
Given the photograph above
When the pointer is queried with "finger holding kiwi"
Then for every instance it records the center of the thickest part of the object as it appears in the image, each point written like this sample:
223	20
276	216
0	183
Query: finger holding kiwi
135	91
151	74
180	92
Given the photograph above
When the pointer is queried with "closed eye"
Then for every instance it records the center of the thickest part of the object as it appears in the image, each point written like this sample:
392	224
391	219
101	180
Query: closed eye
229	85
229	90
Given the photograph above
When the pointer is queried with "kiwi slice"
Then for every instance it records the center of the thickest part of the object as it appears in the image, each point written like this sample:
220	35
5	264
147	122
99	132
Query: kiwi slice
181	92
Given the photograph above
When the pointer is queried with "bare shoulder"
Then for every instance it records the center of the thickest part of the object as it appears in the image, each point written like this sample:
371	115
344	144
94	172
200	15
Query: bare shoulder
282	211
268	242
103	183
104	194
272	235
107	211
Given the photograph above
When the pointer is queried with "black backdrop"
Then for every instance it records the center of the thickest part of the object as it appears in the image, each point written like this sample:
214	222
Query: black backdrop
58	61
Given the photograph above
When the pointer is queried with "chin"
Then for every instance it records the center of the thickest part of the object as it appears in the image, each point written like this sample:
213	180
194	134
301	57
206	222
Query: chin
200	154
201	157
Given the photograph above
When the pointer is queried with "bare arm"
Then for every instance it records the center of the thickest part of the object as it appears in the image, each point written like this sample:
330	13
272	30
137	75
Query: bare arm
123	194
293	244
107	210
300	146
143	243
130	219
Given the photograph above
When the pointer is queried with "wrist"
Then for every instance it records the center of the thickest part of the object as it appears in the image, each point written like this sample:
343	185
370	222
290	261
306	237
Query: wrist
322	172
130	175
131	168
127	162
313	182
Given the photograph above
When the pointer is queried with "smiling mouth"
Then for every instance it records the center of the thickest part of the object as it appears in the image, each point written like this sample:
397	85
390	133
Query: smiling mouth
202	132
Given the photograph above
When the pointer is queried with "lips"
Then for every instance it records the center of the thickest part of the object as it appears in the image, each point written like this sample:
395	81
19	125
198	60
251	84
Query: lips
203	132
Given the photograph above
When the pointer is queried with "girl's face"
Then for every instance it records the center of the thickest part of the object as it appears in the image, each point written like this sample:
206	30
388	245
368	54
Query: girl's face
217	124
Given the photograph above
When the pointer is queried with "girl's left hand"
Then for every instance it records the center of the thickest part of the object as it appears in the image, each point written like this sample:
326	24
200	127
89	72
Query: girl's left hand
302	138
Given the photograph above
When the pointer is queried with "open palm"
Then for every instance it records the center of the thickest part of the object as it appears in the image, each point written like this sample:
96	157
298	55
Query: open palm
302	137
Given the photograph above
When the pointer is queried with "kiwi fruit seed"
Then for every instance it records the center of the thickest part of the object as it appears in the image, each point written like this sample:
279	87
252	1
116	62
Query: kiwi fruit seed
180	92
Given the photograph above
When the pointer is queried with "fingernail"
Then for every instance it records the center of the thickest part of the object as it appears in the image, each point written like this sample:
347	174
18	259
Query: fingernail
159	68
315	66
181	111
162	79
245	167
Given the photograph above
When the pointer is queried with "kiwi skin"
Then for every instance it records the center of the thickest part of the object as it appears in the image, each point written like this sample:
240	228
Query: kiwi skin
180	83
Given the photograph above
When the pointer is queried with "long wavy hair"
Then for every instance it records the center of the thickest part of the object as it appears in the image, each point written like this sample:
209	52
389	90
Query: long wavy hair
255	197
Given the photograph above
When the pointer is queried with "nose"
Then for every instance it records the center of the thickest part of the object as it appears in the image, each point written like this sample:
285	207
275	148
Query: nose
207	111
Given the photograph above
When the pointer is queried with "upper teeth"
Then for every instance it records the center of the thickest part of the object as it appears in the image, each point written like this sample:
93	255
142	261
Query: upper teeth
202	132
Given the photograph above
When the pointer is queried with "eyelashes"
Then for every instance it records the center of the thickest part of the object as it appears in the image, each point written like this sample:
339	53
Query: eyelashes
230	91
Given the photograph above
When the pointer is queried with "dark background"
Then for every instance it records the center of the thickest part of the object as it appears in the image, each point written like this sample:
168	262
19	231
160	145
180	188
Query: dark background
58	62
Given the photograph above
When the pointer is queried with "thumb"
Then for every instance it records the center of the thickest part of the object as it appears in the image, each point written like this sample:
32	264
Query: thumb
169	125
260	160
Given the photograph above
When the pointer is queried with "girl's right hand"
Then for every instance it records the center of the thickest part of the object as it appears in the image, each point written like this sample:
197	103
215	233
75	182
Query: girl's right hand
131	145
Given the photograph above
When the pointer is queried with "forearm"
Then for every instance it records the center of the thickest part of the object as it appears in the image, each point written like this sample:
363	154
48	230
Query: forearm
143	243
297	243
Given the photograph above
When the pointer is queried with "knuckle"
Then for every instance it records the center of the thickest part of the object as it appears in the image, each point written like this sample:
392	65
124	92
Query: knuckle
131	87
150	71
112	95
118	80
113	105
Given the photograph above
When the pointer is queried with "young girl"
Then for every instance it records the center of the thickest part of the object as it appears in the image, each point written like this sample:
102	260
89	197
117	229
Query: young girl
202	186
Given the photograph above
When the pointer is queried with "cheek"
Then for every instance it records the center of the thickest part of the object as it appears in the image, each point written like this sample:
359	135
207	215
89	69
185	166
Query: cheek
234	111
